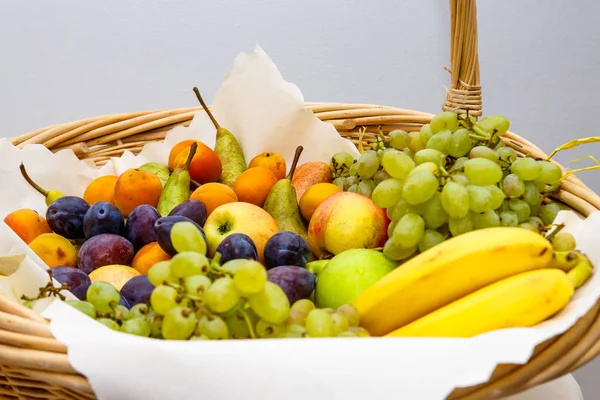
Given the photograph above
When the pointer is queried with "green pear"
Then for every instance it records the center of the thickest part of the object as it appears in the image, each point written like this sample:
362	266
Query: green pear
158	169
50	195
177	189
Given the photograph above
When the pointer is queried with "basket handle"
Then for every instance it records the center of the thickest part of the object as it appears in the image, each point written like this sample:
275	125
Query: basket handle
464	93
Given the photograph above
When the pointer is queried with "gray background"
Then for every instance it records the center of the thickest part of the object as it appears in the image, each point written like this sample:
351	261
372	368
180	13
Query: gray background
69	59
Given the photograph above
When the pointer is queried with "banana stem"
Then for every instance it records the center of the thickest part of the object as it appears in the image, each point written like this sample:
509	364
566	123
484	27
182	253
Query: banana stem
201	100
295	162
31	182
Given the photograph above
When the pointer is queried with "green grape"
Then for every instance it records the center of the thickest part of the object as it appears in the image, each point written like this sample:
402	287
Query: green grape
294	331
507	154
482	172
155	321
425	134
340	323
429	239
352	180
509	218
494	124
186	237
367	164
222	295
238	328
160	273
250	278
461	143
268	330
399	139
484	152
564	241
440	141
455	200
136	326
399	210
549	212
550	173
500	145
446	120
388	193
434	213
232	265
526	168
121	313
391	227
397	164
353	188
188	263
532	194
213	327
427	166
380	176
513	186
497	196
303	306
521	208
537	221
346	334
529	226
138	311
83	306
458	226
365	187
394	251
103	296
409	230
163	299
459	165
112	324
488	219
350	312
353	171
200	337
196	285
415	141
461	179
480	198
419	187
340	182
296	318
430	155
536	209
270	304
340	164
359	331
319	323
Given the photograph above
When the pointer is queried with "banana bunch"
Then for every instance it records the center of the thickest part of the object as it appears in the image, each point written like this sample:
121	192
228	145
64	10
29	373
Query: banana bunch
473	283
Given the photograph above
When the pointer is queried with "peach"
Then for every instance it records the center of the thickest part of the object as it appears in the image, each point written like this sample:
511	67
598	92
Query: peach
117	275
314	196
54	250
345	221
213	195
309	174
27	224
177	149
147	256
205	166
273	161
134	188
101	189
254	184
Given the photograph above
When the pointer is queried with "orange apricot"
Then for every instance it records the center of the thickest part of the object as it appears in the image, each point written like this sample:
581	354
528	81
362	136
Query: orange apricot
314	196
254	184
213	195
309	174
177	149
134	188
205	166
27	224
147	256
273	161
54	250
101	189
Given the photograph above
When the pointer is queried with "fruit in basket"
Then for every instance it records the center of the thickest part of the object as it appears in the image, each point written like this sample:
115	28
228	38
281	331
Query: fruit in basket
147	256
563	241
254	184
140	226
273	161
101	189
240	217
54	250
237	246
77	280
286	248
213	195
104	249
65	216
309	174
103	296
177	188
134	188
116	275
349	274
27	224
205	165
227	149
161	171
163	228
177	149
447	272
346	221
137	290
103	217
519	301
193	209
49	195
297	282
317	266
314	196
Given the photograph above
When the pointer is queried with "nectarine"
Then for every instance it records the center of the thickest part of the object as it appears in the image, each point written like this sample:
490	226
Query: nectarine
134	188
213	195
147	256
101	189
309	174
314	196
54	250
27	224
273	161
254	184
205	166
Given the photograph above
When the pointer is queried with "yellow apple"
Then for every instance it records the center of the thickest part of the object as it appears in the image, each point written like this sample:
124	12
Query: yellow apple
116	275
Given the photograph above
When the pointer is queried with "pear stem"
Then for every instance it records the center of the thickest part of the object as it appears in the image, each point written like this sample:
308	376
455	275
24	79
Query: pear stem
295	162
193	149
212	118
31	182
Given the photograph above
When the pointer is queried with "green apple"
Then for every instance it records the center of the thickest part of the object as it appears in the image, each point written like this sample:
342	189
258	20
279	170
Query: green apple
316	267
348	275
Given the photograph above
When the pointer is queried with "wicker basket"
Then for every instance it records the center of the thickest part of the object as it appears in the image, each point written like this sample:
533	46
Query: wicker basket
33	365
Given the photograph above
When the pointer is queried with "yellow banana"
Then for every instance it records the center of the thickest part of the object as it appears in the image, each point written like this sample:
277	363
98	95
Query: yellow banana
519	301
448	272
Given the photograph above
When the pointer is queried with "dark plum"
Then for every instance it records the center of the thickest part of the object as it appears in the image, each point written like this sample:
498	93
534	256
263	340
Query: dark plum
65	216
104	249
297	282
193	209
140	226
77	280
103	217
163	227
237	245
286	248
124	302
137	290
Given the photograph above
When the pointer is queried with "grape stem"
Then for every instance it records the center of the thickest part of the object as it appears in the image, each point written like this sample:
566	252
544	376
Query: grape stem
552	234
248	322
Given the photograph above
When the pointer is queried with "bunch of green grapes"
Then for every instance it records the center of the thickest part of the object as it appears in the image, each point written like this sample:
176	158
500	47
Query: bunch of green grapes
453	176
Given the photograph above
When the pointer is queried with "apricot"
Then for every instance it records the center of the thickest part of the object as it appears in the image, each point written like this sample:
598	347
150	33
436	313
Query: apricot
27	224
134	188
147	256
273	161
177	149
213	195
205	166
101	189
254	184
309	174
115	274
314	196
54	250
